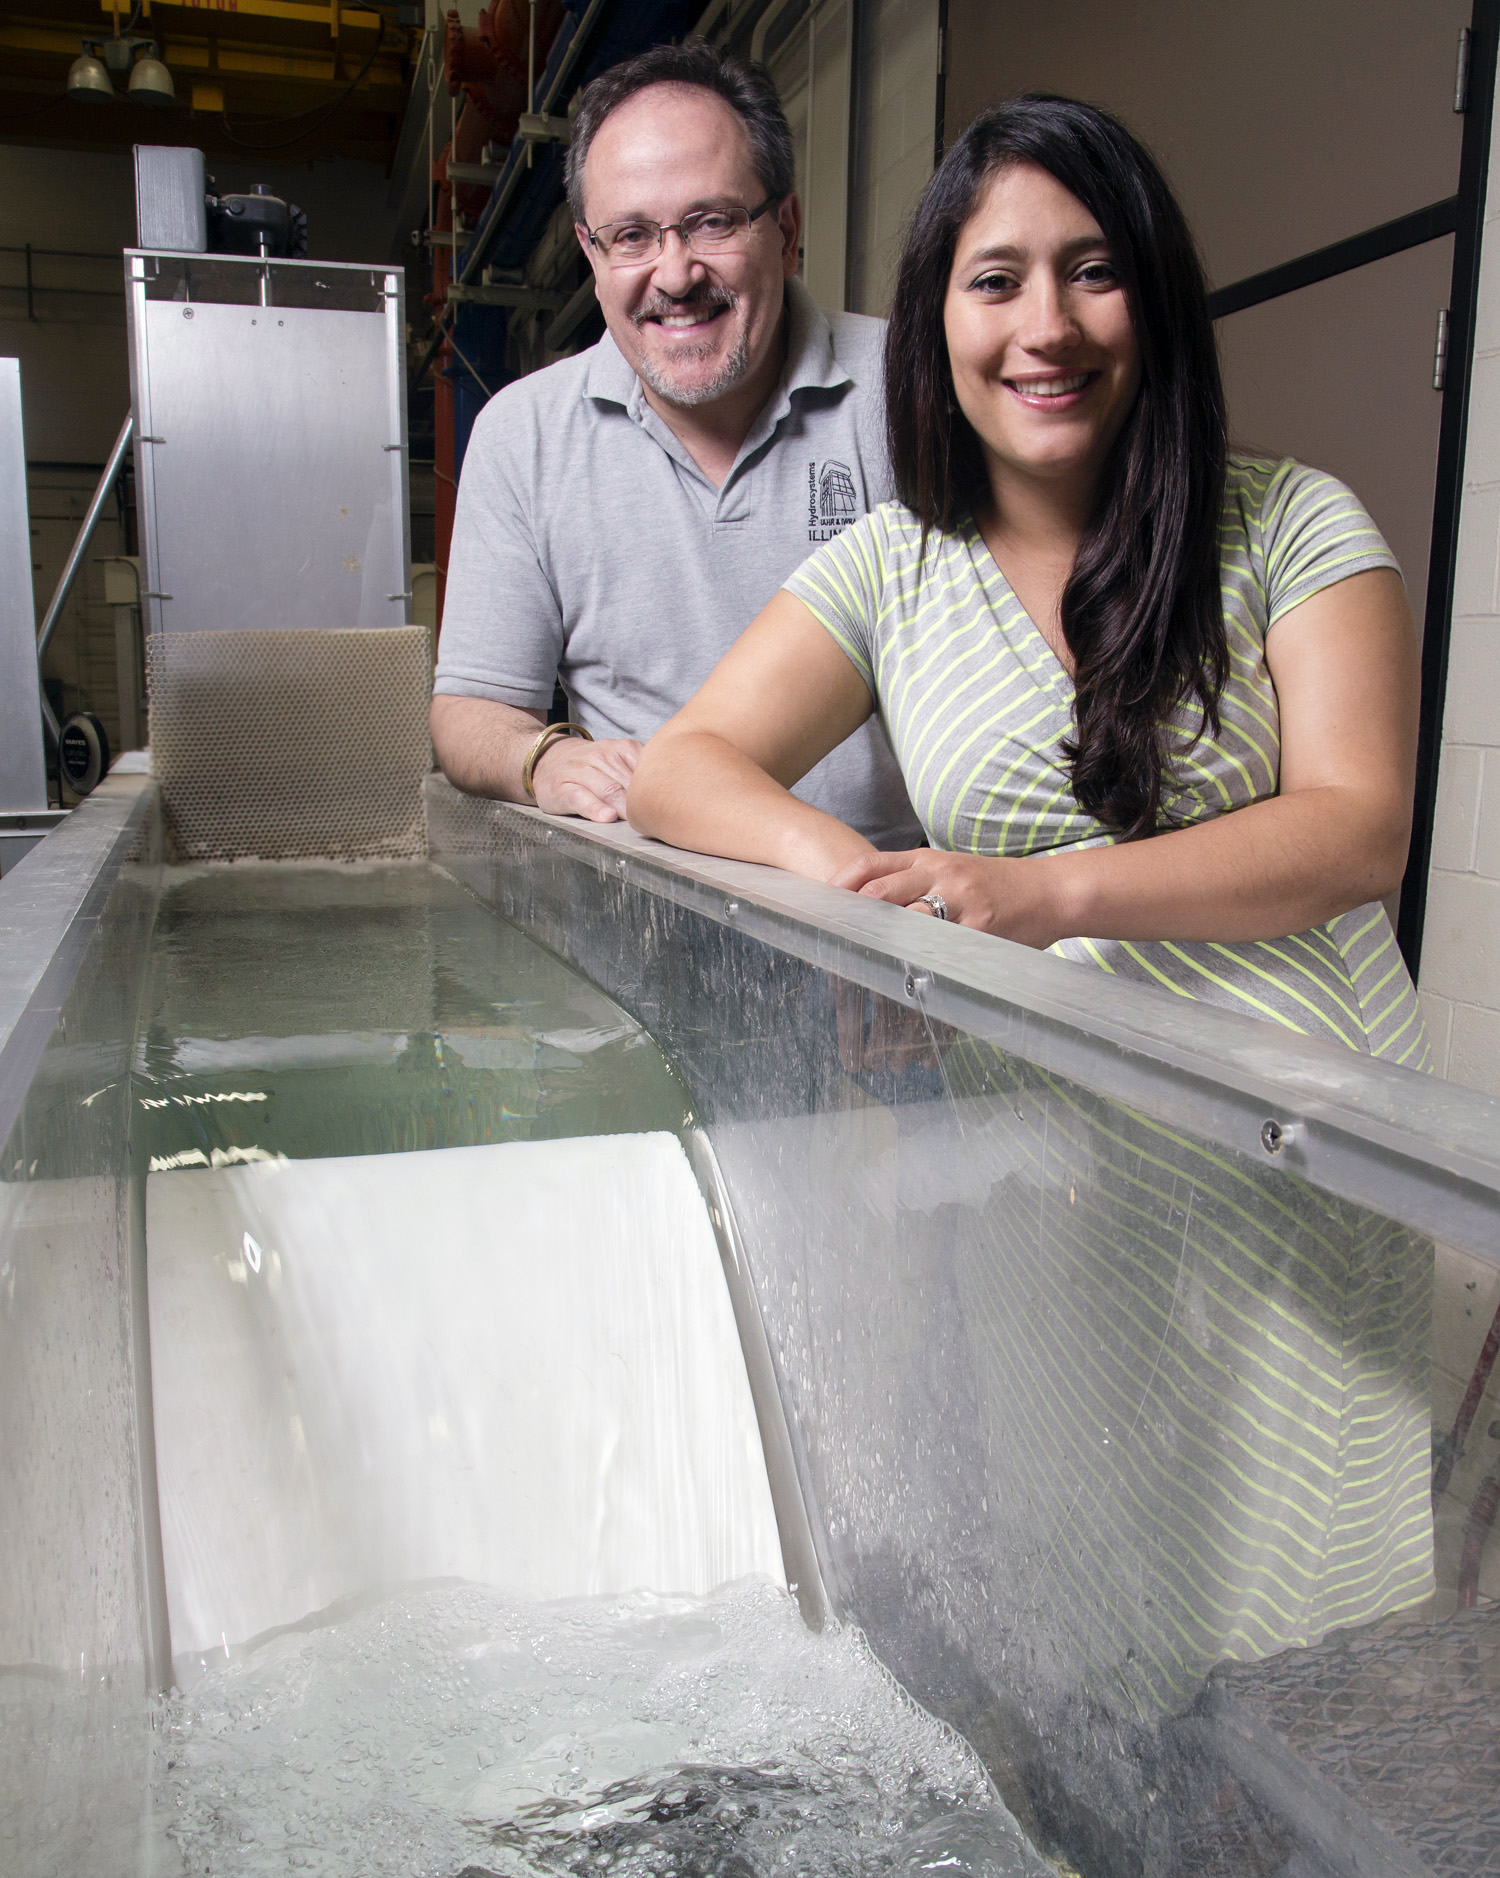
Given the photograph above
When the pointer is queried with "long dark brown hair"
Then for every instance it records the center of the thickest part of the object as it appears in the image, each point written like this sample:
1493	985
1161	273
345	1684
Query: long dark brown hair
1141	611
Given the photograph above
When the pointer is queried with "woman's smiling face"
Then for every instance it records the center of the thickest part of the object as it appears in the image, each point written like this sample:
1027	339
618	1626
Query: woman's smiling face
1043	353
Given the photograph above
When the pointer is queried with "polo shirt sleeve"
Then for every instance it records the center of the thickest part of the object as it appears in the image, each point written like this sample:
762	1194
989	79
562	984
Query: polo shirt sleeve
841	584
502	633
1315	532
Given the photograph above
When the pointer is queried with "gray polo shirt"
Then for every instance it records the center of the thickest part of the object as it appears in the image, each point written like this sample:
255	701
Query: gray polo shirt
588	544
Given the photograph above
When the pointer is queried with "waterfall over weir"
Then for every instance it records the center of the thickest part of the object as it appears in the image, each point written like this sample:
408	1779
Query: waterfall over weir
514	1364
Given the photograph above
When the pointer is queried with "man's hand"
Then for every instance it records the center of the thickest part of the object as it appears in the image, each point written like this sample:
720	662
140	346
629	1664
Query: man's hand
575	777
483	747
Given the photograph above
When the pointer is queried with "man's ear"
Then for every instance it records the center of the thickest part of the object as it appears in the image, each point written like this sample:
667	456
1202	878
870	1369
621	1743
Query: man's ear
789	222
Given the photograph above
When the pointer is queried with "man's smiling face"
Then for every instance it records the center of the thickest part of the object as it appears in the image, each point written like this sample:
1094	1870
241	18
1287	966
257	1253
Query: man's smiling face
693	327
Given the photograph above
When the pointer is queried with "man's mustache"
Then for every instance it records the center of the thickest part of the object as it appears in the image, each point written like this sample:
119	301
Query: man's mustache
701	298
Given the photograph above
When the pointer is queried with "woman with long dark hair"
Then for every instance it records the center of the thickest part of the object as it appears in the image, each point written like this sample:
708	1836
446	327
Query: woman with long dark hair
1155	706
1091	631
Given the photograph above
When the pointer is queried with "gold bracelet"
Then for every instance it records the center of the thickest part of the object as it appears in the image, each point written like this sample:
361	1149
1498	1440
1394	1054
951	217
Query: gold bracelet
543	744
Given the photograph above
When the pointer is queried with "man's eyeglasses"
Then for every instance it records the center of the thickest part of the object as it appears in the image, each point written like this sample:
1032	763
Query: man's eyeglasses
705	231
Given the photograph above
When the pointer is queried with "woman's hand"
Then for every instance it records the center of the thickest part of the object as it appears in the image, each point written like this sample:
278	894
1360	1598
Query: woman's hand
1016	899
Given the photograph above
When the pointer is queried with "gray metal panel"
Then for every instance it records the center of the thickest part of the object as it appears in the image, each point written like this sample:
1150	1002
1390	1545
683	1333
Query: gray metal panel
23	774
170	198
270	454
82	1610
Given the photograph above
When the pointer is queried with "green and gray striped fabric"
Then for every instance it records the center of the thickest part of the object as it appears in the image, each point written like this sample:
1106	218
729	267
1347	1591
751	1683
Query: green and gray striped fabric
1206	1382
976	705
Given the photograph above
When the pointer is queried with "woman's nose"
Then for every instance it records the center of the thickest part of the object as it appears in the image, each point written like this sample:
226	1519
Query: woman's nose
1049	321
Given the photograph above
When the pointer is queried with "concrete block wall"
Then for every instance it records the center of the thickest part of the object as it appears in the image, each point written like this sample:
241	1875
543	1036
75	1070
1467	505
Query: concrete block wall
895	123
1460	974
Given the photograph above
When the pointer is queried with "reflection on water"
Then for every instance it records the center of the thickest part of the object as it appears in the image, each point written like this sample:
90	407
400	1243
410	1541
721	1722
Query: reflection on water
448	1731
309	1011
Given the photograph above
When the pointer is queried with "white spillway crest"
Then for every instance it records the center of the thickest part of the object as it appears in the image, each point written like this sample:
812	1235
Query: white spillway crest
513	1364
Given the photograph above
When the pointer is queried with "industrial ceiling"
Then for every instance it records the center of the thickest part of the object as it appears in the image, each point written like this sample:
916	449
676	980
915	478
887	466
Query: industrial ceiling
316	78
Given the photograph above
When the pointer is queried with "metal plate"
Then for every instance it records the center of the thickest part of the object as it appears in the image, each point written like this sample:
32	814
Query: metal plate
271	463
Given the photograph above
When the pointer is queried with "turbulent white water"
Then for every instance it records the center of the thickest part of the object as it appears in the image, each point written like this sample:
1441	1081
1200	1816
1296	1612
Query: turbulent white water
451	1731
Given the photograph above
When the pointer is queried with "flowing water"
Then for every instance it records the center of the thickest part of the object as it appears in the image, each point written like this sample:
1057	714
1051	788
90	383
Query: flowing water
447	1731
302	1013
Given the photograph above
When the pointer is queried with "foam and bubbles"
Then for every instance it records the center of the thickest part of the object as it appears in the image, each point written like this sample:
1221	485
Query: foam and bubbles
450	1731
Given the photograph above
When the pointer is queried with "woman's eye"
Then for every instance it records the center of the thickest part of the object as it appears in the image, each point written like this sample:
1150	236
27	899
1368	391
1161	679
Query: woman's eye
1099	274
994	283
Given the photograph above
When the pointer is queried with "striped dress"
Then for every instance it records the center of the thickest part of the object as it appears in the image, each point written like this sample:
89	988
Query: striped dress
1201	1381
977	706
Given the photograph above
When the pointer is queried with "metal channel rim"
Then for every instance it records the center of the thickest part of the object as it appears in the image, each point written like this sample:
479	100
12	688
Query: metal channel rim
51	902
804	1548
1364	1130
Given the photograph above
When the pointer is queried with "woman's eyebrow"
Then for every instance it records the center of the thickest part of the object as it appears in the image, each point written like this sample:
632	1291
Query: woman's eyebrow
1006	251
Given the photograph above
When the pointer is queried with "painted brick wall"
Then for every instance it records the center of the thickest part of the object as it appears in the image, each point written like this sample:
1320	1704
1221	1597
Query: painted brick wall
1460	977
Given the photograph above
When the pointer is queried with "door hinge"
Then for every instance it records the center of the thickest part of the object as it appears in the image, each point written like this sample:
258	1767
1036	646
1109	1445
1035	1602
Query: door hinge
1440	353
1461	75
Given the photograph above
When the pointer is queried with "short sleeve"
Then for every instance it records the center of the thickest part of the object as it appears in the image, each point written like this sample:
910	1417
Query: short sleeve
842	585
502	635
1315	532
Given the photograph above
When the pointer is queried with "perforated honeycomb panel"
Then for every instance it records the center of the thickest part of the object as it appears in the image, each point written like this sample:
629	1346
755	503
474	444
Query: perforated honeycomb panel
288	745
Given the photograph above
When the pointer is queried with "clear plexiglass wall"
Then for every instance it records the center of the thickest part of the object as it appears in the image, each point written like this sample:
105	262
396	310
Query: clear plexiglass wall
1106	1344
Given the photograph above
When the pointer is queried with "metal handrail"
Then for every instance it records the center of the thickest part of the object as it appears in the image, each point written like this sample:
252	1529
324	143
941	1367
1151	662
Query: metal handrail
75	560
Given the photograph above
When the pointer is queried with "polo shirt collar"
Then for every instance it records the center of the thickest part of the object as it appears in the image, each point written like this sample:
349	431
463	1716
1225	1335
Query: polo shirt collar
811	364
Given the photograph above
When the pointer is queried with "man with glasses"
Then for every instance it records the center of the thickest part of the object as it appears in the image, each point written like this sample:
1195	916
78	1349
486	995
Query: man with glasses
623	515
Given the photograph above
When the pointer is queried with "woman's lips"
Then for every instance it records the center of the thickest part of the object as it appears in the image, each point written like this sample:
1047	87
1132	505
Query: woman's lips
1060	392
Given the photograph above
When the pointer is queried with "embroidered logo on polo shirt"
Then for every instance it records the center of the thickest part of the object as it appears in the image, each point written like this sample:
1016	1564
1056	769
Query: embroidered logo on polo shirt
831	503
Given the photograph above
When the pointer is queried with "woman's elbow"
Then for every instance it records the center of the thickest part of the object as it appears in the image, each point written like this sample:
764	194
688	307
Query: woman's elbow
1382	857
643	797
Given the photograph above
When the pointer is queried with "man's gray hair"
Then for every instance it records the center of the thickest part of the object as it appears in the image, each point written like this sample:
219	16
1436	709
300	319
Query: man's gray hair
747	89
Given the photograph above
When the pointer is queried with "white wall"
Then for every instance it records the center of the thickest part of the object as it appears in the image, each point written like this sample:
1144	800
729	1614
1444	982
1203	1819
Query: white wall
1460	979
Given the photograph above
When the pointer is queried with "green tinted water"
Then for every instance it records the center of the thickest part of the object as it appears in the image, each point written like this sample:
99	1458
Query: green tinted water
310	1011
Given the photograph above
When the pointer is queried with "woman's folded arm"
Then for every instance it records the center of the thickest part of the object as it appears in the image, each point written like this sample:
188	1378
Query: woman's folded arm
717	777
1345	668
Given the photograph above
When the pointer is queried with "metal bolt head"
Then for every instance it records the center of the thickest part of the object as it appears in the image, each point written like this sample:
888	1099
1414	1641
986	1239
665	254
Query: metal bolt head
731	909
1272	1137
187	312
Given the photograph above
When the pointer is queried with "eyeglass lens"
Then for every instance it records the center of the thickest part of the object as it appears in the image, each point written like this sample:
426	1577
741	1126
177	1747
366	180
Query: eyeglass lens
624	242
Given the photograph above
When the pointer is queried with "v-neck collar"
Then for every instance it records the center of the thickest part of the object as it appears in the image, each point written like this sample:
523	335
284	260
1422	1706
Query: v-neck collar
1048	674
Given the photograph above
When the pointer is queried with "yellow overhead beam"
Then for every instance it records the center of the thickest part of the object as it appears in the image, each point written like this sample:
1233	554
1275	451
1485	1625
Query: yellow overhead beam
328	13
309	67
38	39
201	55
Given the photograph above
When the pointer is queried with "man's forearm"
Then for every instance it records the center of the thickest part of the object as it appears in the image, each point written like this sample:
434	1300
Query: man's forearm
481	746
